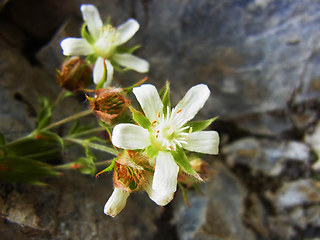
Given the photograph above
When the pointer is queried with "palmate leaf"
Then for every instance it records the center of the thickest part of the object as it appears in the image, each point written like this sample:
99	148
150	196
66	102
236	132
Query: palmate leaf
35	149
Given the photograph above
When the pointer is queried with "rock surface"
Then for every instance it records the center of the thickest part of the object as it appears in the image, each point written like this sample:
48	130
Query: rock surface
259	58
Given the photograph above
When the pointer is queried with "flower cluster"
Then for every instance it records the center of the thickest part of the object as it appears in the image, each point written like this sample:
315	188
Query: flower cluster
152	144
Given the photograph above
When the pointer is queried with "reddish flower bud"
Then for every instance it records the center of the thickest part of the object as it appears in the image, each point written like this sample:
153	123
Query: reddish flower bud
75	74
108	104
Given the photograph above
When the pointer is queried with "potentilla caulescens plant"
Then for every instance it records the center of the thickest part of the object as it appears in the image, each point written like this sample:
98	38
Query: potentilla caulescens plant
165	132
151	154
101	44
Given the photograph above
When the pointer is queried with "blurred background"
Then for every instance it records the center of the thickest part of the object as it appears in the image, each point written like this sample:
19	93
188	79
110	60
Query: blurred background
260	59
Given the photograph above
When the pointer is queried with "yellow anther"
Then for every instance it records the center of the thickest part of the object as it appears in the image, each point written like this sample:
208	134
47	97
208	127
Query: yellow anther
179	110
190	130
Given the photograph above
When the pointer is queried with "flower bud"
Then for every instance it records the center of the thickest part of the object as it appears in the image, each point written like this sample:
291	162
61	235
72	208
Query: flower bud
108	104
75	74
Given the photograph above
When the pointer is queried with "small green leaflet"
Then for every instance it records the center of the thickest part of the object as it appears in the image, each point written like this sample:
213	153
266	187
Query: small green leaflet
200	125
108	169
181	159
151	151
166	98
140	118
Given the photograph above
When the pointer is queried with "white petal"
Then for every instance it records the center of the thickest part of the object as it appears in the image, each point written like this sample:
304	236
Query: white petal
165	174
203	142
116	202
110	71
132	62
148	97
99	70
75	46
91	15
130	136
126	30
159	198
192	102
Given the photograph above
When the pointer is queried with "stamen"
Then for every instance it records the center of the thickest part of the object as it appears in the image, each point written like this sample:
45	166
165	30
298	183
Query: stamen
179	110
154	122
190	130
157	136
158	114
158	131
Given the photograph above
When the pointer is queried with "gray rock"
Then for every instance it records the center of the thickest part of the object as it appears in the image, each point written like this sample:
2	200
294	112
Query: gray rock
216	215
267	156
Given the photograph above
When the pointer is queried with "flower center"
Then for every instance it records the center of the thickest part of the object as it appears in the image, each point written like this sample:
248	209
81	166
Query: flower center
167	131
107	42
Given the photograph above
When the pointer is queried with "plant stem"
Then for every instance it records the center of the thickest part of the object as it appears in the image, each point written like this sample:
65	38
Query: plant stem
93	145
68	119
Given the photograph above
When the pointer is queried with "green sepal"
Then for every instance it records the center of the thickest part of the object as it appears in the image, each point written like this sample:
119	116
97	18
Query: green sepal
91	59
107	127
181	159
184	194
109	168
128	90
166	98
129	50
151	151
117	67
86	35
102	81
140	118
200	125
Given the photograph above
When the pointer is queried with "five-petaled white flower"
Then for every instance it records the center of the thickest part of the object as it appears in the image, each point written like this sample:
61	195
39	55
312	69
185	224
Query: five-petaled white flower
167	133
102	41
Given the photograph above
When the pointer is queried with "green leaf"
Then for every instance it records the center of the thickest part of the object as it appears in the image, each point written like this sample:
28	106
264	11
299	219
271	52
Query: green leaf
109	168
86	35
36	149
50	136
2	140
166	98
45	114
181	159
140	118
86	165
200	125
152	152
24	170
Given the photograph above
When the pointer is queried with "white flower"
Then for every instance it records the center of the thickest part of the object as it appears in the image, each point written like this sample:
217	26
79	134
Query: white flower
116	202
167	133
102	41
